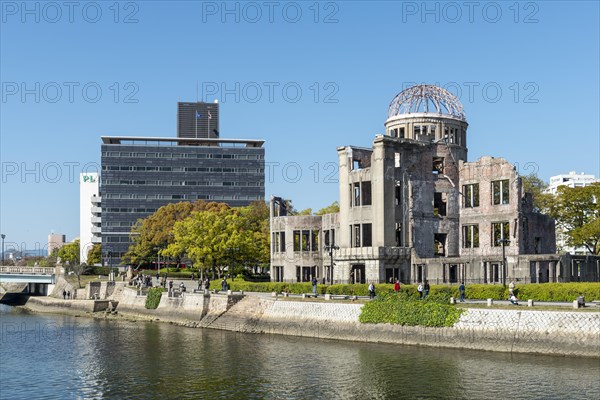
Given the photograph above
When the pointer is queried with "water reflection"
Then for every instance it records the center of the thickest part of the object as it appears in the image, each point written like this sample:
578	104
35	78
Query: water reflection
46	356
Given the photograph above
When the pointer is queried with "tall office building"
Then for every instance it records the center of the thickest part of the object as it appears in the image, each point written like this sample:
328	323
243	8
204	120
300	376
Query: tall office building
141	174
197	120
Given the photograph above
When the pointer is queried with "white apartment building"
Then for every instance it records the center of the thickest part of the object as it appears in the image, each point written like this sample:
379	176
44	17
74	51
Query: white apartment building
89	213
572	179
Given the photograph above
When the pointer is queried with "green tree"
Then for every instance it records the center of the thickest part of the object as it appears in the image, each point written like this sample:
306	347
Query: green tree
577	213
332	208
49	261
94	256
209	238
257	222
154	233
69	253
542	202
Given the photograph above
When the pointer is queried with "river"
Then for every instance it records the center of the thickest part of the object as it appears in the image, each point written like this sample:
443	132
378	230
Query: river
54	356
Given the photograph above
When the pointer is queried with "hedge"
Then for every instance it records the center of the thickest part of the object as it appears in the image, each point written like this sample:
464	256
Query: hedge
153	297
562	292
405	310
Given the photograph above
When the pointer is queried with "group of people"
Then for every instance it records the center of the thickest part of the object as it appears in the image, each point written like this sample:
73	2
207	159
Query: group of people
66	294
423	290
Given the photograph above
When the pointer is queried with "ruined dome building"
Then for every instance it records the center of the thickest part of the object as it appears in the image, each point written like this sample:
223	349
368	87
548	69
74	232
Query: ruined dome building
413	208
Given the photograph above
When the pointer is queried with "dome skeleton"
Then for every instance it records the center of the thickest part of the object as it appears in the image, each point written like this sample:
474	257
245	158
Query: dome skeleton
419	98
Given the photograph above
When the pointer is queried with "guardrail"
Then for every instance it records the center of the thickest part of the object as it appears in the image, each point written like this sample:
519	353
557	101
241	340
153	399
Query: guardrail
27	270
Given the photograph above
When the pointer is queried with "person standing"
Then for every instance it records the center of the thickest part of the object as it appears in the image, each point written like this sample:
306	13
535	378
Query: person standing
64	294
371	290
426	289
397	286
420	290
461	291
314	285
224	284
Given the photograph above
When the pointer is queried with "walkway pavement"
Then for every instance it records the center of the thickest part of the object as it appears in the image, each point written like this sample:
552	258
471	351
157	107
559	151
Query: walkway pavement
193	285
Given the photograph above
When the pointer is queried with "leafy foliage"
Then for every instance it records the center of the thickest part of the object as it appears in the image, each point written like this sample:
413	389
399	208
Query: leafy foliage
332	208
577	212
563	292
223	237
69	253
94	256
542	202
153	297
404	310
156	231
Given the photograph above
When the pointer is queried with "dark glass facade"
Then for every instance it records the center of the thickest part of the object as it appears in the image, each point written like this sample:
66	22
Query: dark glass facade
140	176
197	120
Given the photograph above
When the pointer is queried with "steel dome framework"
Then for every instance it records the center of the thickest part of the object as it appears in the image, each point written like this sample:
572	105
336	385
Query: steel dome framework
426	99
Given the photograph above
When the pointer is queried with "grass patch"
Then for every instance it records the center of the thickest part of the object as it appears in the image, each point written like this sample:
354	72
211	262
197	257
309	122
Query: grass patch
153	297
404	310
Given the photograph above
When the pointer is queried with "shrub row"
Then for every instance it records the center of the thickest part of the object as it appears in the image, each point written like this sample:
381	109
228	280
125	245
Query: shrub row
405	310
563	292
153	297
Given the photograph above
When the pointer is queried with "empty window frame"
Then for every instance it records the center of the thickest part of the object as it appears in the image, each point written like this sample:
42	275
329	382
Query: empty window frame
500	232
296	240
314	243
500	192
305	240
439	204
438	165
366	193
470	236
356	194
366	235
471	195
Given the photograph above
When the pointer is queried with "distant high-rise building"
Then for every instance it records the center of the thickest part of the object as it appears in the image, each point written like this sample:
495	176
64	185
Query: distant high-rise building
55	241
198	120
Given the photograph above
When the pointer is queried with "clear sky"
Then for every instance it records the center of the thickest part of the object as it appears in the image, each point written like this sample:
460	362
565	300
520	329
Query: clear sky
306	77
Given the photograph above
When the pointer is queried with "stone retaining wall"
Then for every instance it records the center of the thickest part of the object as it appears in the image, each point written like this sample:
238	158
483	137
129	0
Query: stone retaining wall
521	331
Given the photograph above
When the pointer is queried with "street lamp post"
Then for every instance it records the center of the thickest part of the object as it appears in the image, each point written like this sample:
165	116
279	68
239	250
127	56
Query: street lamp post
504	242
110	264
330	249
3	236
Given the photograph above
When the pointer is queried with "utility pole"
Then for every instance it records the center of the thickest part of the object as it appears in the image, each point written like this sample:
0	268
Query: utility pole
504	242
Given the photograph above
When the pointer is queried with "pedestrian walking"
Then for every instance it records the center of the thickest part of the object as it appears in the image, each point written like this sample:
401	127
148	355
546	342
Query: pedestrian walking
224	285
420	290
314	285
69	294
371	290
207	284
64	294
426	289
397	286
461	291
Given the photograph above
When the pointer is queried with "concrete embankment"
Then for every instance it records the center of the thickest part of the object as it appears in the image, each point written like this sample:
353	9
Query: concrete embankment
521	331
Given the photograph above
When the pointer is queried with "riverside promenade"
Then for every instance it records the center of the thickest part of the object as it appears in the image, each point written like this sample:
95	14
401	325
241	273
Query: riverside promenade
515	329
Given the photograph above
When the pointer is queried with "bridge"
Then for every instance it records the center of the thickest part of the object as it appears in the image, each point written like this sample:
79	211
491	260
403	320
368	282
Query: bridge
37	278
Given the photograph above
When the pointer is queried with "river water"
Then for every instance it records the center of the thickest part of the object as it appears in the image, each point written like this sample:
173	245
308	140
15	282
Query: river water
63	357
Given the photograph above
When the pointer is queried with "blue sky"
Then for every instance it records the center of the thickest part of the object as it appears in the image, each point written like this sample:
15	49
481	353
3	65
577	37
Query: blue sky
527	74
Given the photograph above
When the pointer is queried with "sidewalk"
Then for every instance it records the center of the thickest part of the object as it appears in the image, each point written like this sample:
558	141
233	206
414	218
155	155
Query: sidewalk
193	285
